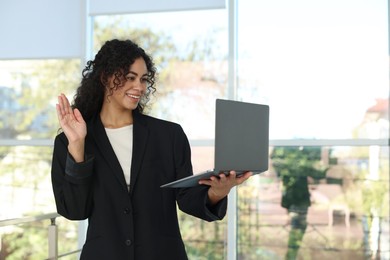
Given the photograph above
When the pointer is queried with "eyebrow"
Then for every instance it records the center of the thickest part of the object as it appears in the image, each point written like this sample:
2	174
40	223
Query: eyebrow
136	74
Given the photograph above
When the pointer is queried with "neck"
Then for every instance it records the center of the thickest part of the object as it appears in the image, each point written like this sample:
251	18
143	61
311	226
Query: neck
116	119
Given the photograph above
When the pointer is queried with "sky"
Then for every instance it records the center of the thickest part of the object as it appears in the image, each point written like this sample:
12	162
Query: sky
320	63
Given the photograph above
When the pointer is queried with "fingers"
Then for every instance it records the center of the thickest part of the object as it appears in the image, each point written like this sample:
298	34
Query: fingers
78	115
64	107
244	177
68	108
59	114
61	106
227	180
64	112
220	180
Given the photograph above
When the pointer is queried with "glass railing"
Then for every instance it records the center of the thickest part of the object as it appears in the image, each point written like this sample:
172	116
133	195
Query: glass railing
23	238
348	215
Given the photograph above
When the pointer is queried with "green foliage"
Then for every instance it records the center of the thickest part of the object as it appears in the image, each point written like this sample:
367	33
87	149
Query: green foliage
34	93
29	241
29	167
375	196
26	243
294	165
4	151
157	44
203	240
298	162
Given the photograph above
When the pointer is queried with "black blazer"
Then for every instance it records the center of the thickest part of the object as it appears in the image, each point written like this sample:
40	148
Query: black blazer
141	224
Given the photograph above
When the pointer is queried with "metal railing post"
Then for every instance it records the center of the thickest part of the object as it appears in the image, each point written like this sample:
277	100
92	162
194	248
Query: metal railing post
53	240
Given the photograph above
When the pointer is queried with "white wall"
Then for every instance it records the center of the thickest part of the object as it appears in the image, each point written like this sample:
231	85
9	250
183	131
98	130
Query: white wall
44	29
40	29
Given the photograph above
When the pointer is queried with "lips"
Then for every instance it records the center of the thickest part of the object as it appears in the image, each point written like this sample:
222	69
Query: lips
133	96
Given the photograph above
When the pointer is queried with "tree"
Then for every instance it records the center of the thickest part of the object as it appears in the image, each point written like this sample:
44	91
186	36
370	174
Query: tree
295	165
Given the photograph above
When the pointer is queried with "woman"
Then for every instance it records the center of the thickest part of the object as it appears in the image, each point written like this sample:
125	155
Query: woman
111	159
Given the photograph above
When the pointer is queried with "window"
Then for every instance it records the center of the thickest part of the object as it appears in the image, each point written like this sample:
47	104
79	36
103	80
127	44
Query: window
192	63
323	69
192	66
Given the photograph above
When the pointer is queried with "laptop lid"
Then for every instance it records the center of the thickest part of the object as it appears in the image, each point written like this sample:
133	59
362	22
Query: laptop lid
241	136
241	141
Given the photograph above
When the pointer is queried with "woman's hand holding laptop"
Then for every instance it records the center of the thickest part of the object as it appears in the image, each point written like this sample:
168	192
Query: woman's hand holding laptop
221	185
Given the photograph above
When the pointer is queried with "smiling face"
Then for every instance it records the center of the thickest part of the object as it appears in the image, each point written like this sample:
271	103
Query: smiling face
130	91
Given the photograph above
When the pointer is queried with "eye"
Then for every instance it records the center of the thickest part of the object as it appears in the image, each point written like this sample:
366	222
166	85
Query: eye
130	78
145	80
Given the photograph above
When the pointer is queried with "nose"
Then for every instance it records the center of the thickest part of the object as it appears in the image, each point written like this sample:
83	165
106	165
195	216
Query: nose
140	86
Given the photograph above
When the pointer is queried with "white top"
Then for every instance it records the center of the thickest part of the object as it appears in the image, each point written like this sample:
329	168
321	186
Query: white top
121	140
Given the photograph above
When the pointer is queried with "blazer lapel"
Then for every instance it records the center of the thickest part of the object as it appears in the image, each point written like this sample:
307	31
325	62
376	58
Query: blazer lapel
140	137
107	151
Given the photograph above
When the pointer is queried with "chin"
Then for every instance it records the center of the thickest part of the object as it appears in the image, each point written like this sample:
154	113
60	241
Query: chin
134	107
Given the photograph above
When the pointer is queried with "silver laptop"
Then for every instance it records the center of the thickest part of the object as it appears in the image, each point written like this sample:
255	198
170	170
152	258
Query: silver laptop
241	141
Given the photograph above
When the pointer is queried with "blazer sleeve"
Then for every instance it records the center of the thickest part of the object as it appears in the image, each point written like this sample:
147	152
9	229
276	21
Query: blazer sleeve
71	182
194	200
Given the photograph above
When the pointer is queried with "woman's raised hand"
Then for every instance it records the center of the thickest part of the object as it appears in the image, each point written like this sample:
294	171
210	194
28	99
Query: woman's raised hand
73	125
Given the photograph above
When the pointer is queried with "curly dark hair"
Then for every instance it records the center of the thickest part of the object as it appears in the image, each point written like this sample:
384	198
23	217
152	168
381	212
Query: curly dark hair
113	59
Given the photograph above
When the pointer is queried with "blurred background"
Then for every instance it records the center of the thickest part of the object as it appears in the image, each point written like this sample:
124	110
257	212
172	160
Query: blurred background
321	66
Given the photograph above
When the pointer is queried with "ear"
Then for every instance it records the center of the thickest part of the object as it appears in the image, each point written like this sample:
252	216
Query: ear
104	80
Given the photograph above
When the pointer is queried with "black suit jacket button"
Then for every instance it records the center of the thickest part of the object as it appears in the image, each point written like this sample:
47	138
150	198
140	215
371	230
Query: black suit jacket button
126	211
128	242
